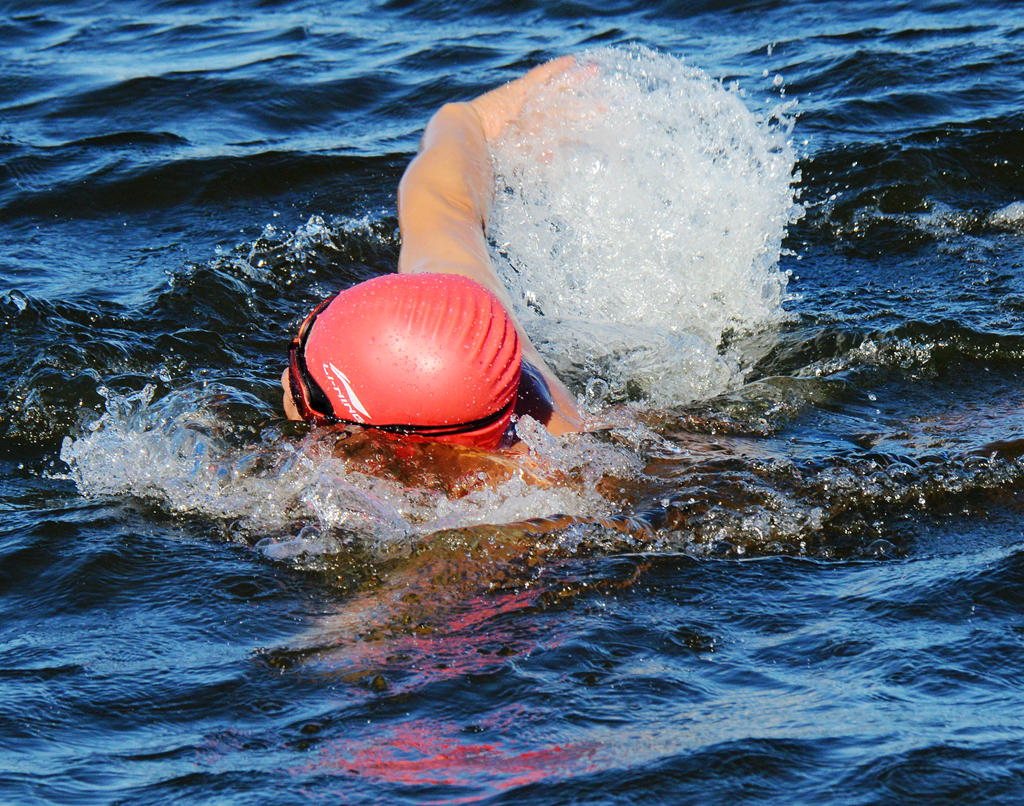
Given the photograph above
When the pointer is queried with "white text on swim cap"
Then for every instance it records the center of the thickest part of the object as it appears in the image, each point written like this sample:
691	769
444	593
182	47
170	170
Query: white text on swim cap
348	398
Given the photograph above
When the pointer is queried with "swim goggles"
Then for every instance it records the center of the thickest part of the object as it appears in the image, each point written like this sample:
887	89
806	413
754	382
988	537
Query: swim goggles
309	397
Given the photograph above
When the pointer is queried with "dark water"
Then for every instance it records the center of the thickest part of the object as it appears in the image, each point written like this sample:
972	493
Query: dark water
806	586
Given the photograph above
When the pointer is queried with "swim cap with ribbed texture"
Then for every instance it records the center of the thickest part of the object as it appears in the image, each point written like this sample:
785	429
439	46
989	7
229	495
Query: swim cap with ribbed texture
419	350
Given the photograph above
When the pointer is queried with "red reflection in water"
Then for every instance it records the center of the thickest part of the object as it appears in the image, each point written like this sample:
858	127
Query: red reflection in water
467	640
425	753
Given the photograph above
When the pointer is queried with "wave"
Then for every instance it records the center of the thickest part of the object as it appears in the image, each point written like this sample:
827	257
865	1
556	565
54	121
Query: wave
918	188
124	183
227	320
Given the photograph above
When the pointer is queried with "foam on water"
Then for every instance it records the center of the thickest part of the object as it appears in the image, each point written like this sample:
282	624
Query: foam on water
642	217
305	496
1010	217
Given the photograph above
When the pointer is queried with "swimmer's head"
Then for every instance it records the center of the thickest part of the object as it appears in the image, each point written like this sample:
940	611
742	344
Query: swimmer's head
426	356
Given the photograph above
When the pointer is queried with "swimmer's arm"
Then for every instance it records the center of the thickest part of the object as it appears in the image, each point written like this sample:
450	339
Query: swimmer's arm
444	198
443	202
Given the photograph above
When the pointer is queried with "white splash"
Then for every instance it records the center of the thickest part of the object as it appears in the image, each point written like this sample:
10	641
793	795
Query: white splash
180	453
642	217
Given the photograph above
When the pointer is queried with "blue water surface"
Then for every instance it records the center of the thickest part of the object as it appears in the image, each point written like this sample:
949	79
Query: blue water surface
819	601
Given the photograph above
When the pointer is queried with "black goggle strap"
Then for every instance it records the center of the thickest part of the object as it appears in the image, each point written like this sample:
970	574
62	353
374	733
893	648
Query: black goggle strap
310	391
440	430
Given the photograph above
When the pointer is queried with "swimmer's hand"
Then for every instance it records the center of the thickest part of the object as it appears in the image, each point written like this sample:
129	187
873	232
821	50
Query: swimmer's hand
497	108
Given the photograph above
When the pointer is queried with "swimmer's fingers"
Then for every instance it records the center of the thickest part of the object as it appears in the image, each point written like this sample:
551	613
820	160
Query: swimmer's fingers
502	105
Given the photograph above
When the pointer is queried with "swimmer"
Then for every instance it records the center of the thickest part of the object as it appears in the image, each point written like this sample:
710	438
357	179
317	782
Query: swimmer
434	352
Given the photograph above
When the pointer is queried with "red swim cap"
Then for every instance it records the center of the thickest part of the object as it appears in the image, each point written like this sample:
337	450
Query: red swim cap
432	356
